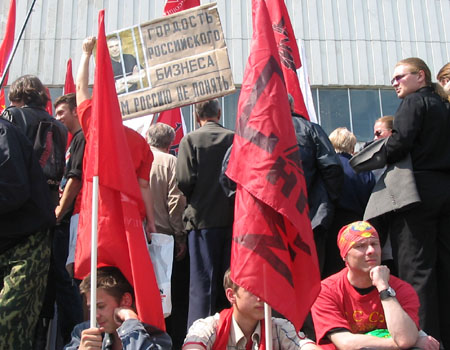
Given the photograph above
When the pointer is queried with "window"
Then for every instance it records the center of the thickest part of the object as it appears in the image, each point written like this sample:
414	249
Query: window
334	109
389	102
365	106
356	109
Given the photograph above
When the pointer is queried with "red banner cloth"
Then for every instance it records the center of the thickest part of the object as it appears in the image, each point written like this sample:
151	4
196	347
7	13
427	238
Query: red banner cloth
49	106
121	240
173	6
69	85
288	51
6	48
273	251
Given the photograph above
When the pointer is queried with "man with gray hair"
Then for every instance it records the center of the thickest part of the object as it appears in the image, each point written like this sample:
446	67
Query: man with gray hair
168	205
168	200
209	214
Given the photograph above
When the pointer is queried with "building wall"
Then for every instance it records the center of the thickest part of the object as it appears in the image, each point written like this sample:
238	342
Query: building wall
351	46
347	42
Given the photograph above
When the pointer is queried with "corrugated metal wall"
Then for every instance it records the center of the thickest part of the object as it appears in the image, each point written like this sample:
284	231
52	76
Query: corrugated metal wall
348	42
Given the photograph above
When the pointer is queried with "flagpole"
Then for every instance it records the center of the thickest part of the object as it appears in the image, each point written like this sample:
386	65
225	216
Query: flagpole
16	45
268	325
94	239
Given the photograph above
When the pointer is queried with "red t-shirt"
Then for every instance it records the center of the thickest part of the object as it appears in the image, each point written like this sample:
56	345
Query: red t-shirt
141	154
339	305
84	111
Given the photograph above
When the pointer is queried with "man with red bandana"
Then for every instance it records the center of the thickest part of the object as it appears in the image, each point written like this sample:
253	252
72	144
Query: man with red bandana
363	306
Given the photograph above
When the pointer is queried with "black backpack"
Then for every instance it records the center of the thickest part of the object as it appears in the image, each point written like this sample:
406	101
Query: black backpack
47	135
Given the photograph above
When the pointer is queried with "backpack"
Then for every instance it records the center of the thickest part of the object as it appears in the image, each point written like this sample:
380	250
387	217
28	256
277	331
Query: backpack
50	150
47	135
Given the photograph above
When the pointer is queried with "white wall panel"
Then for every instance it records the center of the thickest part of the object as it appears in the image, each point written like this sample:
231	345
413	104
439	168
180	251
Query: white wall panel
348	42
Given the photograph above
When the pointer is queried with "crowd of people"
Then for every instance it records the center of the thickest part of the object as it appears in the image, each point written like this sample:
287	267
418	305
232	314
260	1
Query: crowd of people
380	221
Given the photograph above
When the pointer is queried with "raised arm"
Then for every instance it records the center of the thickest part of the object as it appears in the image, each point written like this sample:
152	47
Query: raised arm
400	325
83	70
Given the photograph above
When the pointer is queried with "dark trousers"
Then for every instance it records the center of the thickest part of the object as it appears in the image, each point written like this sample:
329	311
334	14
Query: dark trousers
176	322
421	248
209	252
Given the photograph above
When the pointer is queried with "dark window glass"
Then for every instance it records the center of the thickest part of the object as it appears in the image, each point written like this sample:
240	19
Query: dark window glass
334	110
229	111
365	110
389	101
187	116
314	97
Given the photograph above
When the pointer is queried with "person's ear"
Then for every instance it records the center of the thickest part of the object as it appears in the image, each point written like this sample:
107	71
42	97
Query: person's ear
126	300
231	295
421	75
219	114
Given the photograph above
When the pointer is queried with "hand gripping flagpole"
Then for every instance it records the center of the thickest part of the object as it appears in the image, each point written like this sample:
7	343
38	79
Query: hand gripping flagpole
5	72
94	239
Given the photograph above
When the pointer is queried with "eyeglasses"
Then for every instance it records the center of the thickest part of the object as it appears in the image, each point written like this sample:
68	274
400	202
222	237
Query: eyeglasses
379	132
399	77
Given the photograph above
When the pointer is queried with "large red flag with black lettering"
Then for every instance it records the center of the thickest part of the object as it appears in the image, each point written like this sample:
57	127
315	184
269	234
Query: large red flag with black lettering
288	50
121	240
273	252
6	48
174	117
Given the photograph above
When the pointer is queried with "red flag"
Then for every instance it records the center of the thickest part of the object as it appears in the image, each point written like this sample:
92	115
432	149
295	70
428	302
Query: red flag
69	85
49	106
173	117
6	48
173	6
273	252
288	51
121	240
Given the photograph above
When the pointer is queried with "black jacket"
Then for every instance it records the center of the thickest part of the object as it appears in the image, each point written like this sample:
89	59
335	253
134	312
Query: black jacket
323	170
421	128
25	205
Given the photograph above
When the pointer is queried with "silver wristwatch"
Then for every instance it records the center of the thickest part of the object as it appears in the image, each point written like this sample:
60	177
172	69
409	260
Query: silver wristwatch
387	293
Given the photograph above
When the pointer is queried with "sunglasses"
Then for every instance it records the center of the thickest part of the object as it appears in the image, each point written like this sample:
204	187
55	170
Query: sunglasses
379	132
399	77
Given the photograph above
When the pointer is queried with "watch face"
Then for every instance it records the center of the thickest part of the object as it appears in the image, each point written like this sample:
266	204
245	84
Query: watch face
387	293
391	292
